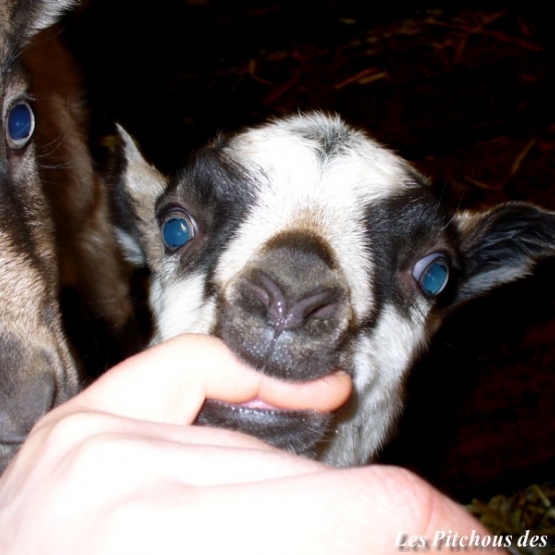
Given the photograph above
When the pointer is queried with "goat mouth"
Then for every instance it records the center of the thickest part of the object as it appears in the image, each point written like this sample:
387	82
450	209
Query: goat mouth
297	431
292	415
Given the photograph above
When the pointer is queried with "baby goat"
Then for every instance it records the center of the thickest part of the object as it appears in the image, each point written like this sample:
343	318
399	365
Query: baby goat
307	247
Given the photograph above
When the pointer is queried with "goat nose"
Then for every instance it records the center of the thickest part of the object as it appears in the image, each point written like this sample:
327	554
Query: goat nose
284	313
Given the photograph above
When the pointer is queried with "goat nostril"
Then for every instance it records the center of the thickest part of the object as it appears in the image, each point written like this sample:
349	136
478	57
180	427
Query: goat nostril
286	314
317	305
269	293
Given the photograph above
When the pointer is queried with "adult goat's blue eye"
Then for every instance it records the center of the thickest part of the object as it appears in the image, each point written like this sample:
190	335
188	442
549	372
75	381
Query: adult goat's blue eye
20	125
178	228
432	273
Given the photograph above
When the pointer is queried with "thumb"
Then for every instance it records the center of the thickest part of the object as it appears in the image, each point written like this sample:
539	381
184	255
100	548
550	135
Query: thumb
170	382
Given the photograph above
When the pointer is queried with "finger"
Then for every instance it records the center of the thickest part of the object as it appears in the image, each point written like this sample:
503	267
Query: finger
170	382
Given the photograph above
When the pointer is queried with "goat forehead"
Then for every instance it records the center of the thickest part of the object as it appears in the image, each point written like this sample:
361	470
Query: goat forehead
324	161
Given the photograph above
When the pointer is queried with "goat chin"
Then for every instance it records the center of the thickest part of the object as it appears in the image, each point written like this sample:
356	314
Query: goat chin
297	431
307	246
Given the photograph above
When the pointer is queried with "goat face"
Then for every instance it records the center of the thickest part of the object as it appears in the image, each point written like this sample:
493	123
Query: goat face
307	247
36	369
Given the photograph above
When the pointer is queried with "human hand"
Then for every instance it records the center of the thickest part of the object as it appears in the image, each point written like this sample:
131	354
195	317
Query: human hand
120	469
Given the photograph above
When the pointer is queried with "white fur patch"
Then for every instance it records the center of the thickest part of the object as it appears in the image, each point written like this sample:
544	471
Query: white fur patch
381	360
181	307
130	248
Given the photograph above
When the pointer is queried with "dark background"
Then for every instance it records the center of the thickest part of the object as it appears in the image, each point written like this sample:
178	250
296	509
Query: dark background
466	93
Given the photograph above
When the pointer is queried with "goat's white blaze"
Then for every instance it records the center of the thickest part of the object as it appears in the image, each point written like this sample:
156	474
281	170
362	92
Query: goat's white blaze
381	359
298	188
181	306
387	353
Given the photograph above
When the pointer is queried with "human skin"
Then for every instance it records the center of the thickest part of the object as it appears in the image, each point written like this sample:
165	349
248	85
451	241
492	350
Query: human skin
121	469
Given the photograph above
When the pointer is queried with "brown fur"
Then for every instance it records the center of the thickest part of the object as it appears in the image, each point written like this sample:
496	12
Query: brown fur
54	227
89	259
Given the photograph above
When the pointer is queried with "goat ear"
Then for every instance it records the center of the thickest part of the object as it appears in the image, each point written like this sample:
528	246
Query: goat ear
502	245
135	190
27	17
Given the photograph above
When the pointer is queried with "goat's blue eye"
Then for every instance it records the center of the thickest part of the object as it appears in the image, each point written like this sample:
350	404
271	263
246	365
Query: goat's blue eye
432	273
178	228
20	125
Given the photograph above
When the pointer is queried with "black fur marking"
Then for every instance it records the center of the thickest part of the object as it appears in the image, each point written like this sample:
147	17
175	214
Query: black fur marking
401	230
510	234
217	192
